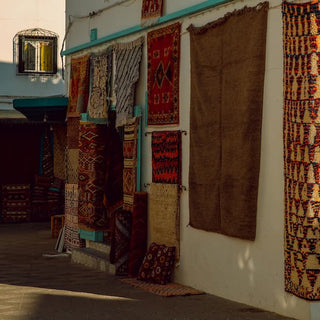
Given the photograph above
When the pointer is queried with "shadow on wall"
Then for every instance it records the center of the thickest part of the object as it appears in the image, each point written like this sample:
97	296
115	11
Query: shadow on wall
249	268
13	84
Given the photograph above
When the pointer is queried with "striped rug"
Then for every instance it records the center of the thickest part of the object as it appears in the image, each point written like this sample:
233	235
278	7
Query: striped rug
127	60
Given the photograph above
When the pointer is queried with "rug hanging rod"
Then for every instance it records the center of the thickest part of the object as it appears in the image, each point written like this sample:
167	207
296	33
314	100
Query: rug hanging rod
181	187
150	132
205	5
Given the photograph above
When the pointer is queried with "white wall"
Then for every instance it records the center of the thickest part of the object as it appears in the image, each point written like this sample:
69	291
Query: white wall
243	271
15	16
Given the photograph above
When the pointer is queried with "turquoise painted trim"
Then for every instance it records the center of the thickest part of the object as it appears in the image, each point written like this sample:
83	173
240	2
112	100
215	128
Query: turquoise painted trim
84	117
93	34
40	102
135	29
137	113
191	10
105	39
91	235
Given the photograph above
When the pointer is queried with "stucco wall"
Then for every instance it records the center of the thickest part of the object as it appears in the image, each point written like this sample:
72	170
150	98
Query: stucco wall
243	271
16	16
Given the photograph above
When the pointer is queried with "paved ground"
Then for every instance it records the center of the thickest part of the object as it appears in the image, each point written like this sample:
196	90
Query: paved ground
36	287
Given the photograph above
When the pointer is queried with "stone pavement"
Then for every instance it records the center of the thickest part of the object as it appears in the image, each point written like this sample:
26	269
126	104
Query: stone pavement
33	286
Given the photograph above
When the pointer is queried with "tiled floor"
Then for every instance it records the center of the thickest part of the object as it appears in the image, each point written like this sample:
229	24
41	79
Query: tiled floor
33	286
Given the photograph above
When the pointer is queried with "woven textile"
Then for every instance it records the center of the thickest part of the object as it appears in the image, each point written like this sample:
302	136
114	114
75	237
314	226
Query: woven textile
123	223
225	123
71	235
15	200
151	11
130	162
39	198
73	132
100	87
57	222
158	264
166	157
146	267
139	232
114	169
127	60
163	75
59	151
301	125
79	85
72	166
46	154
168	290
164	216
91	172
56	197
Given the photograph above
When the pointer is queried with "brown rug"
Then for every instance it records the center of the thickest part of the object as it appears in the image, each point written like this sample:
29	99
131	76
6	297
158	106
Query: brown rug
225	123
168	290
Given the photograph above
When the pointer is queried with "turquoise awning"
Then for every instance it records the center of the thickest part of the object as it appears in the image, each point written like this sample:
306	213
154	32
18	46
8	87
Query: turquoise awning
51	109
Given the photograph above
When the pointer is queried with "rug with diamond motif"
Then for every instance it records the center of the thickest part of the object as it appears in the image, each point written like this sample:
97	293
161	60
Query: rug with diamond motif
163	75
91	175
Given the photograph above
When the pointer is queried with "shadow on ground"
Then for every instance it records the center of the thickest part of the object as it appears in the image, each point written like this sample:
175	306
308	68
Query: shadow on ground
33	286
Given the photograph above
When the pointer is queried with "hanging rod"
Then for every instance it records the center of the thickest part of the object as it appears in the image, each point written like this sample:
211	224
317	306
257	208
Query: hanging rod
150	132
181	187
137	28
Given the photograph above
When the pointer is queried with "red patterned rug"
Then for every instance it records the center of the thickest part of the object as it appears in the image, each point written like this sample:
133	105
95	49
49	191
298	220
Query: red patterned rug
139	232
15	199
163	75
151	11
79	85
92	163
167	290
166	157
130	162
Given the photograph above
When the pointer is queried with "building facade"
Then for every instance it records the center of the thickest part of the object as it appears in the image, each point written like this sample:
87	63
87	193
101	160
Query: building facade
250	271
32	36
